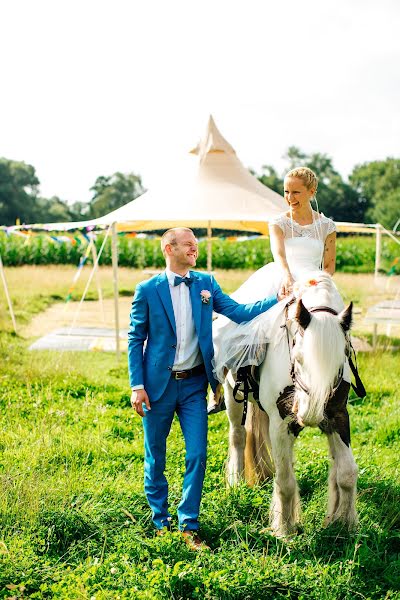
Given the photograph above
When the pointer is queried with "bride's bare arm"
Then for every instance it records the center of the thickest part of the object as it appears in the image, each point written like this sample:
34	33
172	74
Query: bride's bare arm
330	253
279	254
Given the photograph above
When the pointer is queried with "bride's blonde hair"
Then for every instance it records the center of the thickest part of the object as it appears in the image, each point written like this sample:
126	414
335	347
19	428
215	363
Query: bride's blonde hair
307	176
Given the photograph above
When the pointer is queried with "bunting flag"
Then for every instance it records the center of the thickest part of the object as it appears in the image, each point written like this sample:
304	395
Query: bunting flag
28	236
393	270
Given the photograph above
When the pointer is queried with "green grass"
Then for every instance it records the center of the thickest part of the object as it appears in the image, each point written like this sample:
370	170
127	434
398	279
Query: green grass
75	524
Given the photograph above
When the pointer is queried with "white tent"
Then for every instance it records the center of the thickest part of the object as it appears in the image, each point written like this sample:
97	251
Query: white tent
211	189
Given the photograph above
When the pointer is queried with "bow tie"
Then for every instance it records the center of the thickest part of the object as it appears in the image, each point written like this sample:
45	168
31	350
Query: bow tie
178	280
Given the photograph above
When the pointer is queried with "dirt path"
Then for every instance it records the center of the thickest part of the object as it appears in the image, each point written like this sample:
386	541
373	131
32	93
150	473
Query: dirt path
61	315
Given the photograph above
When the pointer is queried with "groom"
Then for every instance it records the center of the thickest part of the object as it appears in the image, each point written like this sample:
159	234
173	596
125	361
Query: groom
169	352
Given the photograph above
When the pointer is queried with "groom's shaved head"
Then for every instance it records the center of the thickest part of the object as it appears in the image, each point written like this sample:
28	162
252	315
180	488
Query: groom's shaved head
169	237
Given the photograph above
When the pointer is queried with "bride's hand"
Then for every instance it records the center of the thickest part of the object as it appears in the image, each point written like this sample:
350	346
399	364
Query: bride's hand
287	285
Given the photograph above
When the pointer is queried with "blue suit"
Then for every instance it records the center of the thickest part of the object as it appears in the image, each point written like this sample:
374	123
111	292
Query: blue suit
151	352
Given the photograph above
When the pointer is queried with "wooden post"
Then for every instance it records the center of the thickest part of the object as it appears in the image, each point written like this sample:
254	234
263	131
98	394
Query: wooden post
114	248
378	249
375	337
10	306
209	247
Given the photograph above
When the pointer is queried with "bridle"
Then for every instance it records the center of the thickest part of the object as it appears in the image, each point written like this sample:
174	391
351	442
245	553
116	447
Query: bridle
297	380
250	385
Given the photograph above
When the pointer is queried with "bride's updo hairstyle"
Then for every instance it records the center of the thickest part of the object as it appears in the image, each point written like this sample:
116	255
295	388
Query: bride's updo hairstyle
307	176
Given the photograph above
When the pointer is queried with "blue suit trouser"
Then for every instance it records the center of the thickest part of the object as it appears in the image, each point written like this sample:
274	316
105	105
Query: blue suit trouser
186	398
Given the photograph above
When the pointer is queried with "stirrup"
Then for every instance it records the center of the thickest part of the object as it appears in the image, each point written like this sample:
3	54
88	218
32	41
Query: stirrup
245	379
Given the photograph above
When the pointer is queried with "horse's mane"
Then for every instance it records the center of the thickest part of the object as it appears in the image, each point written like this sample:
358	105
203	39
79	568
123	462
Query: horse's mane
322	345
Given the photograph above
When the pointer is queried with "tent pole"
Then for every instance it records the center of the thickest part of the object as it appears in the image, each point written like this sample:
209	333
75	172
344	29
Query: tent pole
98	284
89	281
209	247
378	249
114	248
10	306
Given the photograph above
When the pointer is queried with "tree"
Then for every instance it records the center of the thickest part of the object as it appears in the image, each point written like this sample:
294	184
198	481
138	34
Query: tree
336	198
378	184
114	191
18	192
270	178
295	158
55	210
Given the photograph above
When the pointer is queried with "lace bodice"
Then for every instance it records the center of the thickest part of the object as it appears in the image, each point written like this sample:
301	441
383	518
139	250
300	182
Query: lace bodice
318	230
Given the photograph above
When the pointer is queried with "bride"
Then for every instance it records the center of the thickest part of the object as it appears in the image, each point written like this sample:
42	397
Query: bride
302	241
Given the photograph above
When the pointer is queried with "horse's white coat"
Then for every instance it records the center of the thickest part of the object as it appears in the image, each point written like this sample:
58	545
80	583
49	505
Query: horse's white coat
319	355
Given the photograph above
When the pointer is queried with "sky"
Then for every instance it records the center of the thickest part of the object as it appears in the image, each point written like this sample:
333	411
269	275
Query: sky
91	87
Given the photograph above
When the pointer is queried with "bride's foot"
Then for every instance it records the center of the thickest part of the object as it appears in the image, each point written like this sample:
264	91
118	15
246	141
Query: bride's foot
216	402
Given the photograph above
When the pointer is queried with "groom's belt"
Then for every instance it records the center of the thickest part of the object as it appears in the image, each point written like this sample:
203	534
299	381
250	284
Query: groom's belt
189	372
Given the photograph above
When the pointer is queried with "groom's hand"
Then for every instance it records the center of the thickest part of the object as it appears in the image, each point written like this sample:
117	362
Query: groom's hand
139	397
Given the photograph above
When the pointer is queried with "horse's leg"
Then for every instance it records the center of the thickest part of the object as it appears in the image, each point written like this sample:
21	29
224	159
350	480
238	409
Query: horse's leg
285	505
342	483
237	436
258	463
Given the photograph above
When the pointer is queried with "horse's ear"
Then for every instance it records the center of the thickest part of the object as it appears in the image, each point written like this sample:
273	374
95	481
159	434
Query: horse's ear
346	317
302	315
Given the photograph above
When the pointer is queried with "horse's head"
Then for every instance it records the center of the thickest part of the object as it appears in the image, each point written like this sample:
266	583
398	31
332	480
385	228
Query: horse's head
319	343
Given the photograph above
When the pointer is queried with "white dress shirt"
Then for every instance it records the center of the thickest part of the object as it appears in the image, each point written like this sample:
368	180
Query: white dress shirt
187	353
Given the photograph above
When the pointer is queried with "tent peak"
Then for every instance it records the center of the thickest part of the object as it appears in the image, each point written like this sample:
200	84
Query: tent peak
213	142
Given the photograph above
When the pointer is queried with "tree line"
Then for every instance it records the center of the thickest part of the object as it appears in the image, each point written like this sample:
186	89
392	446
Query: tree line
372	193
20	197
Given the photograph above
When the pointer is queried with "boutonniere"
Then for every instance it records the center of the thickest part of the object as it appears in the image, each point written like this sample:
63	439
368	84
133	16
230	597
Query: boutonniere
205	296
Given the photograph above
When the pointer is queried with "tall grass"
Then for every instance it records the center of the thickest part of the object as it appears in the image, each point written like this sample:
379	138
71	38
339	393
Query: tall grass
74	523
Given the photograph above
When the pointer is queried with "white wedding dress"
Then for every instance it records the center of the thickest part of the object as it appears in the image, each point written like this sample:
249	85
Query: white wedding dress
241	345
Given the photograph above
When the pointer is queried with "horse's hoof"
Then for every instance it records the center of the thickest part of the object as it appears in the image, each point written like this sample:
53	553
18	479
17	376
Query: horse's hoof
276	533
349	524
327	522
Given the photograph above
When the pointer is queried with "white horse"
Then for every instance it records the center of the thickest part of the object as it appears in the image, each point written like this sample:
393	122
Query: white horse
303	382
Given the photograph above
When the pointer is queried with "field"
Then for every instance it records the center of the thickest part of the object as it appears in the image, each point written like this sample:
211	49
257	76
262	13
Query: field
74	523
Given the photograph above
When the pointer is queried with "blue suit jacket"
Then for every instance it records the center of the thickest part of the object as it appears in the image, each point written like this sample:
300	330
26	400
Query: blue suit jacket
152	319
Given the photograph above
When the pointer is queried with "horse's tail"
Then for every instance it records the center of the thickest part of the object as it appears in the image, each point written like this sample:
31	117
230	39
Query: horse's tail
257	456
